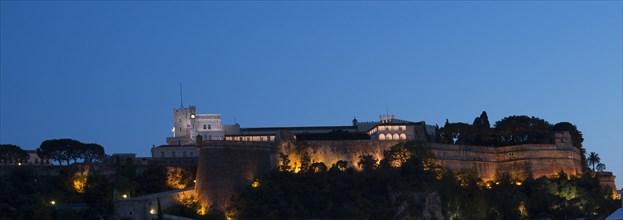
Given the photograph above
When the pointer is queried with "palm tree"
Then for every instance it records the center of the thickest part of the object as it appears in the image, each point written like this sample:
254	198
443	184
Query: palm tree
601	167
593	159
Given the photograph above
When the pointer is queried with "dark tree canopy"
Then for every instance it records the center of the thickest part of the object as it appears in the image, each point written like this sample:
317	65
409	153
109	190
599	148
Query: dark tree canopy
12	154
514	130
66	150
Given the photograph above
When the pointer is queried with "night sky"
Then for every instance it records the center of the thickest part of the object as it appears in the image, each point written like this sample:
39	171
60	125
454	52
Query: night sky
108	72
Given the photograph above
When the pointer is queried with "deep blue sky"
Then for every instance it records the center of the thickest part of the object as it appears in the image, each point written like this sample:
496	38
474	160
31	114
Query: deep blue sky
108	71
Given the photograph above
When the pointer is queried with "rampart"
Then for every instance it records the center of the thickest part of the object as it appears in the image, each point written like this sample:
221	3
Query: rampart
226	167
489	163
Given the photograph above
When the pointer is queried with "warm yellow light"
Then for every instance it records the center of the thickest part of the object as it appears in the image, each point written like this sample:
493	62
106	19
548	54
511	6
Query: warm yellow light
255	184
202	210
79	179
152	211
175	177
125	196
518	183
53	202
497	183
192	116
194	181
488	185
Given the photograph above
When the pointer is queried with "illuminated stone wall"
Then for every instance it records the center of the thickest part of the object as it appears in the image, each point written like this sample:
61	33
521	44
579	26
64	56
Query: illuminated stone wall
226	167
490	163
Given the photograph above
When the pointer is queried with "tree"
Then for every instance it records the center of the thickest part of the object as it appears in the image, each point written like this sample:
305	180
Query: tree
522	129
482	130
61	149
92	152
601	167
458	133
318	167
593	159
367	162
340	165
12	154
284	162
482	122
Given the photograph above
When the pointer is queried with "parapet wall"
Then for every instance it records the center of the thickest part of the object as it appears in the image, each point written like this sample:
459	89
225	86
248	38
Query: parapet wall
490	163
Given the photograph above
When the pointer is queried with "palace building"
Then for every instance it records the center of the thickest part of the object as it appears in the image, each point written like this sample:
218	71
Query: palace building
188	125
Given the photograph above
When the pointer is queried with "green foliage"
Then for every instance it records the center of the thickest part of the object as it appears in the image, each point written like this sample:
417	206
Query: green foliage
593	159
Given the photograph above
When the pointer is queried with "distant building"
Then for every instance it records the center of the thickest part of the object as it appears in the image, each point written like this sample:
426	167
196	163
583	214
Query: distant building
34	159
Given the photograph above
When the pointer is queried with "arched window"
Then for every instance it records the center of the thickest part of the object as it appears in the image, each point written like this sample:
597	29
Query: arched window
396	137
381	137
403	136
204	126
209	126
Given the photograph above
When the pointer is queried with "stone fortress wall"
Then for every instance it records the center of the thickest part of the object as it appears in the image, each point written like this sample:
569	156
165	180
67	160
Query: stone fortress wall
226	167
489	162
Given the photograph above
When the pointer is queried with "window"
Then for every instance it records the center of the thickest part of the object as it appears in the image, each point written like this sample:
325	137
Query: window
209	137
173	154
209	126
161	153
204	126
184	154
192	154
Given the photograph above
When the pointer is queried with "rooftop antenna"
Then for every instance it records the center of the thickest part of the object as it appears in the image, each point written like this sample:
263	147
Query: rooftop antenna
181	99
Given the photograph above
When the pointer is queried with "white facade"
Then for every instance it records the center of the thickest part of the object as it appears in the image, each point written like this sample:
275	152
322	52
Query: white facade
208	126
188	124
